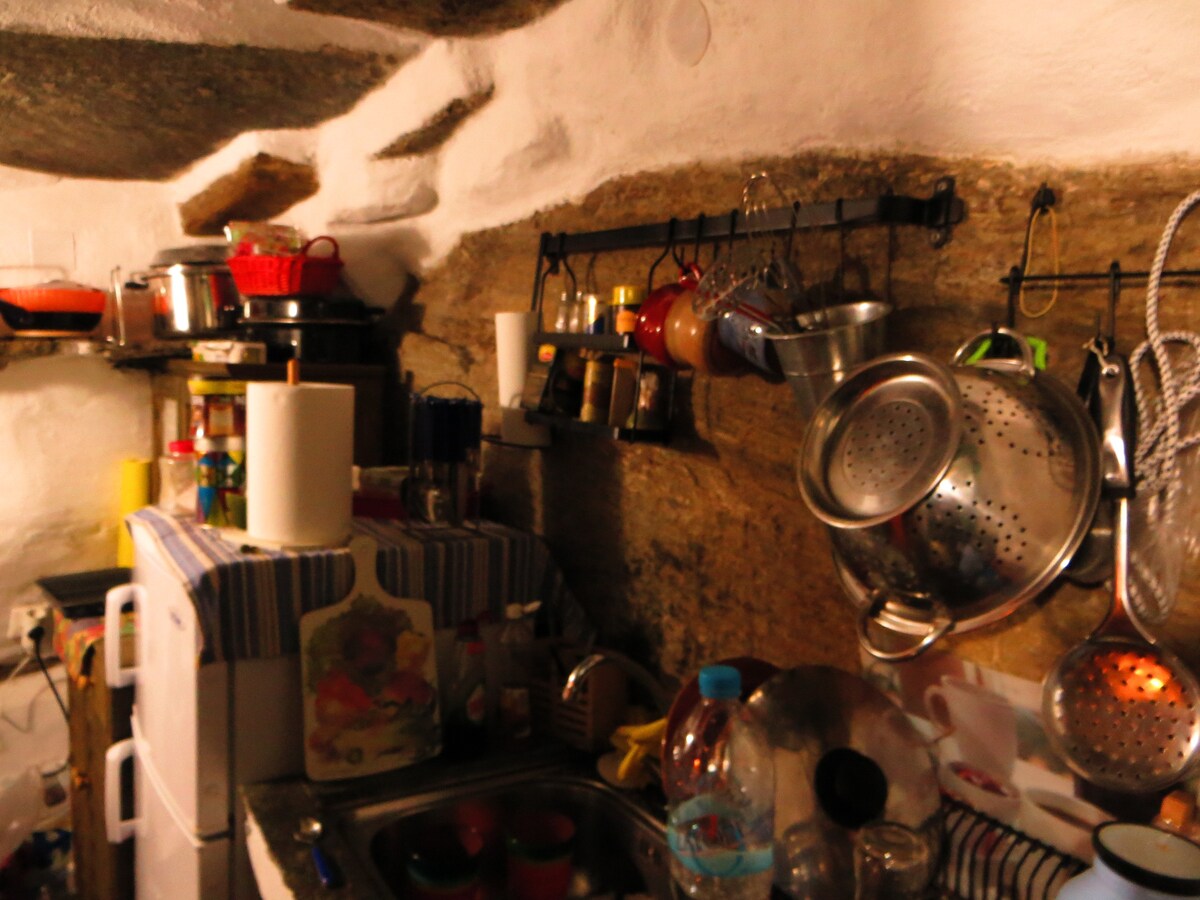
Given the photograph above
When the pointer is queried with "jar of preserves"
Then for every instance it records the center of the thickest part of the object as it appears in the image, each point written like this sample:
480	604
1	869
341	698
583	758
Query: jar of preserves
218	408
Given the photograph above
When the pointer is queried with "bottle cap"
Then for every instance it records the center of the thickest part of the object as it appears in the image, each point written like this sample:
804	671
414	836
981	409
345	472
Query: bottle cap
181	448
219	386
720	682
626	295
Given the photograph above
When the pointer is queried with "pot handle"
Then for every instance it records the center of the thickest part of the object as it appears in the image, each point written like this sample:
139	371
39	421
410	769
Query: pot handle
939	627
963	354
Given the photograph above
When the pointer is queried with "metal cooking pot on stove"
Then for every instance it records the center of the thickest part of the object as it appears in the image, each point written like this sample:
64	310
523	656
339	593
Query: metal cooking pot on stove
953	494
309	328
194	294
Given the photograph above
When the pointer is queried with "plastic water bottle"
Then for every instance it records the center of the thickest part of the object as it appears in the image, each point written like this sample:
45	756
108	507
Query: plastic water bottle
721	796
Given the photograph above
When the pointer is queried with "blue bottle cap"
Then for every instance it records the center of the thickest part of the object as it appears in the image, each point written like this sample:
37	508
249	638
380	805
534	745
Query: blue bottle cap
720	682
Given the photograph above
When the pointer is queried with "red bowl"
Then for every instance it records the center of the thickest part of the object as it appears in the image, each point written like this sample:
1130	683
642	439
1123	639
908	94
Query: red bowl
56	297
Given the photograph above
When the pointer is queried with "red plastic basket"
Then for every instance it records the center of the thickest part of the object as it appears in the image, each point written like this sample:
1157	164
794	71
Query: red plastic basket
259	275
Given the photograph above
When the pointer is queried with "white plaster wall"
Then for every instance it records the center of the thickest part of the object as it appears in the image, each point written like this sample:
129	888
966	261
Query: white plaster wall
586	93
65	425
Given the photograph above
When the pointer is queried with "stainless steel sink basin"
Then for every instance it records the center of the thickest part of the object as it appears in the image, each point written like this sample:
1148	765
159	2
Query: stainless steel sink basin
619	845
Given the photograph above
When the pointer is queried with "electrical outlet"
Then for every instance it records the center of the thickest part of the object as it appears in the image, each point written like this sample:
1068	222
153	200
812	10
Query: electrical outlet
22	619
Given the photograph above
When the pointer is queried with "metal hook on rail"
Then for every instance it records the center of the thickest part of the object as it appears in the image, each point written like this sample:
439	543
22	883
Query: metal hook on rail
671	223
1114	294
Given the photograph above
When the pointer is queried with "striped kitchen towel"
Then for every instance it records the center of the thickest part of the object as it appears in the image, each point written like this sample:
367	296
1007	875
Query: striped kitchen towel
249	604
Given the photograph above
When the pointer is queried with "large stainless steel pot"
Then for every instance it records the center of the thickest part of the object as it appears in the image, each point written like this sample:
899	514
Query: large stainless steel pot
954	494
194	294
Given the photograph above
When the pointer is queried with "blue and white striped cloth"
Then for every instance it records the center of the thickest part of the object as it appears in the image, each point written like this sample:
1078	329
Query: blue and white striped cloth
249	604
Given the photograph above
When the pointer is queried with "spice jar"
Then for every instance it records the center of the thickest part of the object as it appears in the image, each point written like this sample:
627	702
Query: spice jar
177	479
653	396
624	391
597	389
593	313
218	408
623	311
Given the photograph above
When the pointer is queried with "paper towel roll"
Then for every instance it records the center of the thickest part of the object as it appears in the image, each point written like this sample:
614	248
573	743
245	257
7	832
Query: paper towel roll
299	456
514	333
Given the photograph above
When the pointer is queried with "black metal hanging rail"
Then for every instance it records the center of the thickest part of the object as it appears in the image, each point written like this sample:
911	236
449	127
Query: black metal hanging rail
939	213
1114	275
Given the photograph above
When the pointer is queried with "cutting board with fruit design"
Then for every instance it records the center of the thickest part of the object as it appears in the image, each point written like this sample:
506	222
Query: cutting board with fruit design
369	679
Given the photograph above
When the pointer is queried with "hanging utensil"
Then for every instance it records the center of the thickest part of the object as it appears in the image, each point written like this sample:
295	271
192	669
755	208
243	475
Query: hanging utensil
954	495
1120	710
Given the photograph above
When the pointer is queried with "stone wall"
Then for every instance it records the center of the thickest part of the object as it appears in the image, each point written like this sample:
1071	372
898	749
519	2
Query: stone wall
703	548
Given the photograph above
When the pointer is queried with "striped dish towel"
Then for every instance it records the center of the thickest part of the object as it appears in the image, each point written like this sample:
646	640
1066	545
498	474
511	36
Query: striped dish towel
249	604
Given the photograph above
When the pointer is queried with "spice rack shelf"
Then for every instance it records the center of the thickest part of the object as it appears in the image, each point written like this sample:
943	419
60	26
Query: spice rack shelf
580	427
938	214
602	343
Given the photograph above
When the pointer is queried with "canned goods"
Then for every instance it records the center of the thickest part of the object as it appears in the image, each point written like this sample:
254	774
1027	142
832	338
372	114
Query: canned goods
221	482
218	408
597	390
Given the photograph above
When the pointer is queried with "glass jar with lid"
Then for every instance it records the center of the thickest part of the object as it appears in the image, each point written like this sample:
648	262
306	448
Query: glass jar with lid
623	310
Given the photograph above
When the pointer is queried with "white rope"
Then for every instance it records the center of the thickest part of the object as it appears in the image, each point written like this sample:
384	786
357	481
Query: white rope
1159	443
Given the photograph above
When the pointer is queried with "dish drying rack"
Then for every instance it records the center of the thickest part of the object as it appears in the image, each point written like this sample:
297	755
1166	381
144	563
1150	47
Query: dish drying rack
985	859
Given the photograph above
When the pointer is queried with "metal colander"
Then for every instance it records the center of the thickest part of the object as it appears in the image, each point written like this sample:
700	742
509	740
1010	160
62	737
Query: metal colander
954	494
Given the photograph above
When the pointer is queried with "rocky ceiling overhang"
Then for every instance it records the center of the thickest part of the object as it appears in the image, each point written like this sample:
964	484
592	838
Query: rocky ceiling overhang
136	109
437	17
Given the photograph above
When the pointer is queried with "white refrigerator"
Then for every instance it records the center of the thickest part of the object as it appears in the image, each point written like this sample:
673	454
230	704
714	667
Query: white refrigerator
199	731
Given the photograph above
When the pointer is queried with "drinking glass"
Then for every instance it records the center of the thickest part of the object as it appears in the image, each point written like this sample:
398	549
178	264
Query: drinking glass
891	862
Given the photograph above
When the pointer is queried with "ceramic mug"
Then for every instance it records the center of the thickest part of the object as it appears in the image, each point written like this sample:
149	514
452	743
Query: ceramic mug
444	864
982	723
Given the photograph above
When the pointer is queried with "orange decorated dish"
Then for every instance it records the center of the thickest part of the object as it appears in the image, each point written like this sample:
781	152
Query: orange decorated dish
55	307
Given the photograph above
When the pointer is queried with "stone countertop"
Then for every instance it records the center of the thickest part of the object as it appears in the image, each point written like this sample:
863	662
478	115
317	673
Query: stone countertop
283	867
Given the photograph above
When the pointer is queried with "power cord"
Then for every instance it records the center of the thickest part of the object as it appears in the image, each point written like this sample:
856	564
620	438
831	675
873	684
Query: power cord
35	635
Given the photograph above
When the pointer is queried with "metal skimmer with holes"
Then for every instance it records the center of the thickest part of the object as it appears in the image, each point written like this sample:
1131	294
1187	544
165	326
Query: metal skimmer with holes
948	515
1120	710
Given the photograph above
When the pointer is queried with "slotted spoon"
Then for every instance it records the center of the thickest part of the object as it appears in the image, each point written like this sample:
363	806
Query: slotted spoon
1120	710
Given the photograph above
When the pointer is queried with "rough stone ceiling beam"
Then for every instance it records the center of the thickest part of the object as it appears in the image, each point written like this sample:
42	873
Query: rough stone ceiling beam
439	129
126	109
438	17
261	188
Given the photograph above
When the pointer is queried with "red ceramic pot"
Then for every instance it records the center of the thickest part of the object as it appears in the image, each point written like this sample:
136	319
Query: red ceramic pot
650	332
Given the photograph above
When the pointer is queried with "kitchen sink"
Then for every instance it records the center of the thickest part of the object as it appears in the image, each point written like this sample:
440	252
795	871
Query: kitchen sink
618	847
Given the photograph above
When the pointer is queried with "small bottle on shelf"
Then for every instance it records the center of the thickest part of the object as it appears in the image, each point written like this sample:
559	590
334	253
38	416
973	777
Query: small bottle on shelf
466	716
516	646
177	479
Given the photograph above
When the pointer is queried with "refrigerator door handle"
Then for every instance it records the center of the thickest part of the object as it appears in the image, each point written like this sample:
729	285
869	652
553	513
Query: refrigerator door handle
117	829
114	601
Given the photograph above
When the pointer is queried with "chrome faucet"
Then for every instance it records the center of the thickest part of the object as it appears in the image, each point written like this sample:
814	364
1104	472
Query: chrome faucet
661	692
